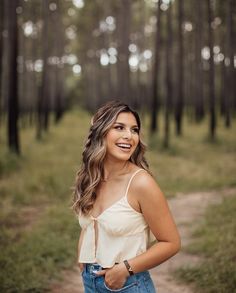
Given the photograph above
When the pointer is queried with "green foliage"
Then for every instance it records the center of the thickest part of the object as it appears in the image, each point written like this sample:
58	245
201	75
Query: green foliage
193	162
217	274
9	162
28	264
38	231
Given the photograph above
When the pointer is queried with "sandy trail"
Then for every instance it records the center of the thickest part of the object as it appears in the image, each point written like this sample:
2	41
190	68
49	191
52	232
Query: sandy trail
187	210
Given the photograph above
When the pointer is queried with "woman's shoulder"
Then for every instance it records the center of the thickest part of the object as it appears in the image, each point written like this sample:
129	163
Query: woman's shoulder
144	183
141	178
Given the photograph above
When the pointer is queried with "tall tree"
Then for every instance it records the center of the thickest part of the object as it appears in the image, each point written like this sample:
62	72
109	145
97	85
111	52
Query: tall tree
1	48
211	71
43	98
198	80
234	48
222	71
230	66
138	86
123	30
222	83
155	76
180	94
59	97
168	101
13	104
29	51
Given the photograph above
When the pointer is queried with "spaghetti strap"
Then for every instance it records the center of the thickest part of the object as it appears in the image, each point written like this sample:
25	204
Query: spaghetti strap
130	180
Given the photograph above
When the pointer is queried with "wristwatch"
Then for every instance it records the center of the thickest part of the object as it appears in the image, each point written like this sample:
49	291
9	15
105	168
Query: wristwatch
128	267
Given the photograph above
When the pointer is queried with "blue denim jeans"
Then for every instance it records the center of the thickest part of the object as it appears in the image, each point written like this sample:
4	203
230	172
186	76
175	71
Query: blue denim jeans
138	283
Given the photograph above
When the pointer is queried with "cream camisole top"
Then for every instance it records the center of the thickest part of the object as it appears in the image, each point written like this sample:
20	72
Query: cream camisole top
122	233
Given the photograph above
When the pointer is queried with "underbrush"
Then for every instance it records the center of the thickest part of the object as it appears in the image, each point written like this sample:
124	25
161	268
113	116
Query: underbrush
216	242
27	265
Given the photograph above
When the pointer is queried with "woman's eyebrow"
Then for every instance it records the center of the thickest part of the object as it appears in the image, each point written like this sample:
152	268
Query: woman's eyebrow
123	124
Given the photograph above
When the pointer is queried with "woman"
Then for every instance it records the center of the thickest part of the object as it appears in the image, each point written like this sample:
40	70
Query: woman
121	209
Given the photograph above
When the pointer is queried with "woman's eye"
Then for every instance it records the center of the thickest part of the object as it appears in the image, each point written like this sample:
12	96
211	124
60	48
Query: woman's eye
135	130
119	127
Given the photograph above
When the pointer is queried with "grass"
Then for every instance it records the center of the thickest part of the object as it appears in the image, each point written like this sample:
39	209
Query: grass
192	162
216	242
28	264
31	253
36	245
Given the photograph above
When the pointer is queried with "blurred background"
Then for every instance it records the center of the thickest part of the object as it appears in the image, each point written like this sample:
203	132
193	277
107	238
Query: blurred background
172	60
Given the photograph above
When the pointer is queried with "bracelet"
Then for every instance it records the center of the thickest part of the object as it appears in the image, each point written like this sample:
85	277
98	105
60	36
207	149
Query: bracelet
128	267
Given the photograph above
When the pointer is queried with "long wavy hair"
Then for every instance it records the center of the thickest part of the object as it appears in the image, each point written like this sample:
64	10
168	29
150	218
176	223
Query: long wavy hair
92	169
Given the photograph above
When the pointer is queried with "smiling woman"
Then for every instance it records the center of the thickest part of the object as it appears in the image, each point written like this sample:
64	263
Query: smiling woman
123	138
120	207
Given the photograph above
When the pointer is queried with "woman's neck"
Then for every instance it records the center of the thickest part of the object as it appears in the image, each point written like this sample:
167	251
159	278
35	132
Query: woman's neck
113	170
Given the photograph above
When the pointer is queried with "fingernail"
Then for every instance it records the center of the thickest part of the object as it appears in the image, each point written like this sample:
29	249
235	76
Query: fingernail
95	272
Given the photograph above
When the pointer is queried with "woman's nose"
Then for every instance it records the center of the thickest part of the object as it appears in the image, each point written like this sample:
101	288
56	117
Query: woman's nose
127	134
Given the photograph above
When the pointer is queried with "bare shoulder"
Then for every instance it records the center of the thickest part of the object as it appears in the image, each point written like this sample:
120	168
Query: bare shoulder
144	186
144	180
153	205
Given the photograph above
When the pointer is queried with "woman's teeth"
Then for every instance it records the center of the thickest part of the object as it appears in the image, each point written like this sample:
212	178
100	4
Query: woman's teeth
124	145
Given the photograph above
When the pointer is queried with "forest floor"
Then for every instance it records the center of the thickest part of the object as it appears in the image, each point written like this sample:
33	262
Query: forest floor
188	211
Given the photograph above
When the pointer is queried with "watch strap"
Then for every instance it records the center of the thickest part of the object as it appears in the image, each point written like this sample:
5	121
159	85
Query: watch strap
128	267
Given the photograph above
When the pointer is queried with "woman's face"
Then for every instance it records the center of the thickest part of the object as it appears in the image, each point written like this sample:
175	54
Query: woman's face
123	137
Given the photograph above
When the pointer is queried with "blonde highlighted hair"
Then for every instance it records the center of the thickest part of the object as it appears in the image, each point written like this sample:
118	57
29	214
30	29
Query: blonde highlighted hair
92	169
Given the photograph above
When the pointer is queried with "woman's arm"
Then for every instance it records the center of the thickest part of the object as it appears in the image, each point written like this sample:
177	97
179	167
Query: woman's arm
154	207
146	197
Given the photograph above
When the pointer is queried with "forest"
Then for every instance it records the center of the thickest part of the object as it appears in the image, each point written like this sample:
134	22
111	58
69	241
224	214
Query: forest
173	61
174	57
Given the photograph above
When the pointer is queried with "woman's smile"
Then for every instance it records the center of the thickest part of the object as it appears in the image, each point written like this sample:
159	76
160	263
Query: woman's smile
124	135
124	146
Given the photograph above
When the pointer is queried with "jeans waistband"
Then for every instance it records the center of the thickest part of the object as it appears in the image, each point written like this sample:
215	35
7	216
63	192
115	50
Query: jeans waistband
91	267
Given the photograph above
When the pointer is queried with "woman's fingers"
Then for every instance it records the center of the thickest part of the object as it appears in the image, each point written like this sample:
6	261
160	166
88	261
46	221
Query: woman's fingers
81	266
100	273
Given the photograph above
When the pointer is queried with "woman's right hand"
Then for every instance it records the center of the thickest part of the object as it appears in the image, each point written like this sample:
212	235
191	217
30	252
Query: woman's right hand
81	266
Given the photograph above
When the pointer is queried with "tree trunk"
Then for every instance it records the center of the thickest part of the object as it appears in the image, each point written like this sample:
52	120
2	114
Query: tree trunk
13	106
168	101
230	67
222	87
198	82
31	76
123	30
180	95
138	82
211	73
59	99
155	76
43	106
1	50
234	48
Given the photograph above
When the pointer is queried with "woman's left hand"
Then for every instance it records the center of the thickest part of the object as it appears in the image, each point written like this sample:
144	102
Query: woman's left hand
115	277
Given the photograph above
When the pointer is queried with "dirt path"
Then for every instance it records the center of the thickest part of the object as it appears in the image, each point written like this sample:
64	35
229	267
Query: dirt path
188	210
